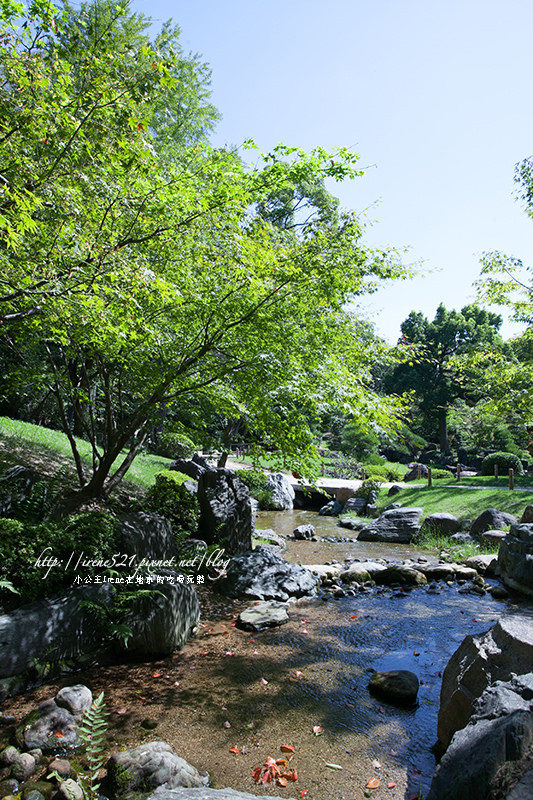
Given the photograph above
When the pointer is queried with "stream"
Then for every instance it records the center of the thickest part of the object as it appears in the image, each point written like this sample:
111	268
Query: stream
348	637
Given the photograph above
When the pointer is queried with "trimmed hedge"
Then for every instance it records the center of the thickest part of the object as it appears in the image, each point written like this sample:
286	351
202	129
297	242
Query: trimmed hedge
505	462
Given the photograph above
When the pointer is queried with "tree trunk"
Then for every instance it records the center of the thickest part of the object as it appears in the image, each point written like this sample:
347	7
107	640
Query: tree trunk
443	429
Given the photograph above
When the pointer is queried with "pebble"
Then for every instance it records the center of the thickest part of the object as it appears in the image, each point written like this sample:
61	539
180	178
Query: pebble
23	766
61	766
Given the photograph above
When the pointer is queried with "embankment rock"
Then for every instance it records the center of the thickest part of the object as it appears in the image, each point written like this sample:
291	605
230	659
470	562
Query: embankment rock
282	492
264	575
515	558
207	794
148	766
262	615
492	519
395	525
444	523
225	510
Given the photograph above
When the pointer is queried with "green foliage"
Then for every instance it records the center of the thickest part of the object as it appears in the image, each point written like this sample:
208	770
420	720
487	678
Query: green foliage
368	488
92	730
175	444
359	440
441	474
256	481
386	472
169	498
93	534
504	461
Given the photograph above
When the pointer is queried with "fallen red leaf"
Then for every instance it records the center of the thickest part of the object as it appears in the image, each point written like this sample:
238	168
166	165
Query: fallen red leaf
234	750
304	792
227	724
226	633
373	783
354	616
59	734
318	729
280	761
267	777
282	781
304	631
264	682
391	785
287	748
292	775
415	653
156	675
256	774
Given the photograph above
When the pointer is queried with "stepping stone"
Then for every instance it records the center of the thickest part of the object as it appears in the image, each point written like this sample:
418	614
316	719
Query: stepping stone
263	615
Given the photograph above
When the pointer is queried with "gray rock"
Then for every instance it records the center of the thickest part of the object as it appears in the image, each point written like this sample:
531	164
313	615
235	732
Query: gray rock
504	650
484	564
356	573
207	794
147	535
527	514
275	540
193	467
303	532
148	766
49	728
443	523
16	486
266	576
400	573
416	472
162	621
70	790
500	730
524	788
492	519
9	787
351	523
190	486
394	489
499	592
396	525
75	699
515	558
331	509
61	766
462	538
282	492
225	510
23	766
325	571
8	756
357	504
33	794
437	572
493	537
263	615
398	686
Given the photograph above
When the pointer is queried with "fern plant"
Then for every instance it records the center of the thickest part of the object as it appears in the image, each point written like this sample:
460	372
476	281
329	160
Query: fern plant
92	730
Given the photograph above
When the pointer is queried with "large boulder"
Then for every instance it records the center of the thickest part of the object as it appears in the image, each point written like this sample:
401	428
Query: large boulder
147	535
499	731
527	514
282	492
503	651
264	575
225	510
402	574
416	472
148	766
54	723
303	532
515	558
263	615
443	523
394	525
193	467
492	519
16	487
162	621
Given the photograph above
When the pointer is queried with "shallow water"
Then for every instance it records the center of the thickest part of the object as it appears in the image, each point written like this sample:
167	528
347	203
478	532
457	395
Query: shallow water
349	637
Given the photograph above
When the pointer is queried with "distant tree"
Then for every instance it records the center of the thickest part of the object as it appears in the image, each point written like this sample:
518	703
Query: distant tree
429	368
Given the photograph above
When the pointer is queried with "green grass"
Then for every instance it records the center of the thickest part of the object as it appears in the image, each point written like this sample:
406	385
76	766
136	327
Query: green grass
21	440
463	503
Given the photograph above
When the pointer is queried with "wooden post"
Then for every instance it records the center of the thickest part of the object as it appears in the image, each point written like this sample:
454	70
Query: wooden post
511	479
429	477
495	471
363	475
323	468
418	472
458	472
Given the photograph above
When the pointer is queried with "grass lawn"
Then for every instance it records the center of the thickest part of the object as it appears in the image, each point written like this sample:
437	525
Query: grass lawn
33	445
465	503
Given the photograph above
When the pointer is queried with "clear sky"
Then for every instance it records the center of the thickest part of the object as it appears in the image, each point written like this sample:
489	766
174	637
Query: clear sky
434	95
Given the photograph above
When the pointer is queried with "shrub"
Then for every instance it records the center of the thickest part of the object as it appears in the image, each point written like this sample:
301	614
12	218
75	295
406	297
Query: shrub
175	444
368	488
441	474
171	499
384	472
256	481
505	462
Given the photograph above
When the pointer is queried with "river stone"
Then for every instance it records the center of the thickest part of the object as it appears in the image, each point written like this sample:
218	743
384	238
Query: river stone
266	576
45	788
492	519
357	504
23	766
61	766
398	686
504	650
325	571
416	472
39	728
443	523
331	509
395	525
225	510
462	538
493	537
356	573
263	615
344	494
150	765
207	794
8	786
437	572
147	535
303	532
351	523
499	731
8	755
515	558
70	790
484	564
273	538
282	492
75	699
400	573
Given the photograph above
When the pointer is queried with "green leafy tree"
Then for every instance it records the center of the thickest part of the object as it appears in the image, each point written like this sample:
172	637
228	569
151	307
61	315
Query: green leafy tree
430	367
163	281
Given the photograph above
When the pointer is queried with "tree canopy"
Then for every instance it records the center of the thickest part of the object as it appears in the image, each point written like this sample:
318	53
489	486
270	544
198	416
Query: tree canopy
142	267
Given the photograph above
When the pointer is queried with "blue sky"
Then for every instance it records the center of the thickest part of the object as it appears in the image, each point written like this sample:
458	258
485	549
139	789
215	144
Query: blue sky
434	95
